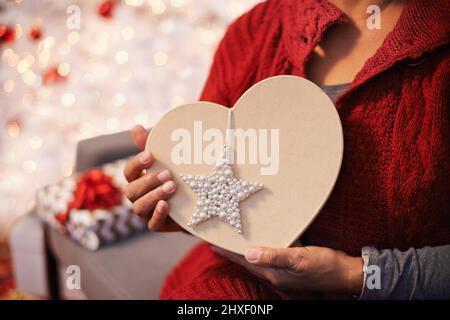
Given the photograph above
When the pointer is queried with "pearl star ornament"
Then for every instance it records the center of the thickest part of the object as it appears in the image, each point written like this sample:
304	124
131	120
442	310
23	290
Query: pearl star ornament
219	194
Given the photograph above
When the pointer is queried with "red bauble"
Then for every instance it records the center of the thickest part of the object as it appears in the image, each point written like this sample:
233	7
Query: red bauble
7	34
106	8
53	76
35	33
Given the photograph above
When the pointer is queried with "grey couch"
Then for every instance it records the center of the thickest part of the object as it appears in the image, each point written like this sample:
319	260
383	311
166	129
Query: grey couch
132	269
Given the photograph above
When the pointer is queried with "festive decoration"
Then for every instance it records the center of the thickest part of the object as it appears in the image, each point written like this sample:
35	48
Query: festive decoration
219	194
7	34
106	8
35	33
94	190
53	76
90	207
297	155
110	73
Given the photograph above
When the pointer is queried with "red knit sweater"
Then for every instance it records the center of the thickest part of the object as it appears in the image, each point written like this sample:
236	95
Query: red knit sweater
393	190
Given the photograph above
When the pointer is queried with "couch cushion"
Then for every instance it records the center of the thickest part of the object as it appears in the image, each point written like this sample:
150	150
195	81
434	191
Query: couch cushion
132	269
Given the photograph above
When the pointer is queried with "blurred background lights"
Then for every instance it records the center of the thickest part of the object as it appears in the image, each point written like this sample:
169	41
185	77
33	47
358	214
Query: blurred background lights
64	69
29	166
66	168
208	36
30	59
113	124
65	84
36	142
118	99
125	75
8	85
68	99
158	7
128	33
22	66
48	43
44	57
177	3
141	119
73	37
85	129
160	58
176	101
121	57
135	3
13	59
13	129
27	99
30	78
18	30
64	49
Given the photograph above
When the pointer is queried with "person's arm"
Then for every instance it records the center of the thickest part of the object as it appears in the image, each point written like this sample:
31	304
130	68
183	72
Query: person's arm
413	274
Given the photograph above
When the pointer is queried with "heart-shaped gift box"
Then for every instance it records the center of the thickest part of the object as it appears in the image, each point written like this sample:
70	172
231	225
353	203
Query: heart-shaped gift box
290	140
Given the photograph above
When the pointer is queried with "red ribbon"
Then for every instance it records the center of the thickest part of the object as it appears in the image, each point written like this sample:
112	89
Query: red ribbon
94	190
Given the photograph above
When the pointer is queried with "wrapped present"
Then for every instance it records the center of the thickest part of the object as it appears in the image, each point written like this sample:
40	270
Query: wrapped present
90	207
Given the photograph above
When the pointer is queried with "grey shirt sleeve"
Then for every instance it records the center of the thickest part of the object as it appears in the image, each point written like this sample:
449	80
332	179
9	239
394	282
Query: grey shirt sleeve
413	274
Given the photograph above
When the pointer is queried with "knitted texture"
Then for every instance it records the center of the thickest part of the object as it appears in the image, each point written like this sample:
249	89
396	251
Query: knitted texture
394	185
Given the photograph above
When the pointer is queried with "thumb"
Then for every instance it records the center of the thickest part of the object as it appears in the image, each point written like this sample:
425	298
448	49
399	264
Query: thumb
274	257
139	136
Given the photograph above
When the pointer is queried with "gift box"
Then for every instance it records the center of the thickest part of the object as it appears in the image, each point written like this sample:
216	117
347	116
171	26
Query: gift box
90	207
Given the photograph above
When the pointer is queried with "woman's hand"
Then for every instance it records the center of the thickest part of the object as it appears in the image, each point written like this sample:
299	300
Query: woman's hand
149	190
315	269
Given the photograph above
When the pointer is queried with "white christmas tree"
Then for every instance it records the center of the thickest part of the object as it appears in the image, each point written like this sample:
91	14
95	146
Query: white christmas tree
72	69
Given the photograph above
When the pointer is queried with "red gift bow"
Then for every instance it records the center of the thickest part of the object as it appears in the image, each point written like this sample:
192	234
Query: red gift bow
94	190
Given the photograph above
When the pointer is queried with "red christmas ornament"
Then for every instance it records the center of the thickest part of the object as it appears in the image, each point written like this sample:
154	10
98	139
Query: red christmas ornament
53	76
106	8
7	34
35	33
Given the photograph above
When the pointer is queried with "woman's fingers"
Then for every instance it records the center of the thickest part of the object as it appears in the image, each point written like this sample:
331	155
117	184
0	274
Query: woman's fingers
148	192
284	258
139	136
287	258
133	168
158	219
239	259
137	188
147	203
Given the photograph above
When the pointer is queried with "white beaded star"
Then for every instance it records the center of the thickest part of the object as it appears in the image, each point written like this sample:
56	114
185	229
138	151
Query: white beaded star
219	194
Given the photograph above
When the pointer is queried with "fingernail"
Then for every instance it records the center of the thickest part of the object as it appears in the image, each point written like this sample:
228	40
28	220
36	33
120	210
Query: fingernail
144	156
163	176
168	187
159	206
252	255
